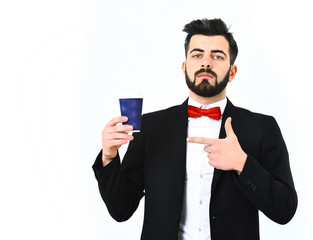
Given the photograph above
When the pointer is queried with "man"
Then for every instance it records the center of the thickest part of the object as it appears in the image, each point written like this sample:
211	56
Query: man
212	185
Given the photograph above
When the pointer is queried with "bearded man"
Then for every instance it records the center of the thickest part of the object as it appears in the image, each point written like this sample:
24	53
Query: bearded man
206	167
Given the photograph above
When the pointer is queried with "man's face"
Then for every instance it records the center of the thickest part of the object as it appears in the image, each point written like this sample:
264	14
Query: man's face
207	68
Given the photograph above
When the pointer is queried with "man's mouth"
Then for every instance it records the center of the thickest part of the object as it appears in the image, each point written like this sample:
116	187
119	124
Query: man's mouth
205	75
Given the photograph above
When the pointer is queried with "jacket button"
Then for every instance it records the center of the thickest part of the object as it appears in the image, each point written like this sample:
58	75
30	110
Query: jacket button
248	182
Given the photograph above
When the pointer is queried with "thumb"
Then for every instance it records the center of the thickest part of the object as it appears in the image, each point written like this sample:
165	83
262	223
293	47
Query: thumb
228	128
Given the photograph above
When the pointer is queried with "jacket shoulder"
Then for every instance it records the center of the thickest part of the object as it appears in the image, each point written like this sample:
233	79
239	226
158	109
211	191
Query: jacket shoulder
256	120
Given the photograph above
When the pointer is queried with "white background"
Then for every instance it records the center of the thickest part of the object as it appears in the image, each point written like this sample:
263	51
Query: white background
63	64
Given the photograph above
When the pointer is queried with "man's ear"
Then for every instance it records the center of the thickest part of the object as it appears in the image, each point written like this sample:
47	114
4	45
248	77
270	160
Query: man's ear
183	66
232	74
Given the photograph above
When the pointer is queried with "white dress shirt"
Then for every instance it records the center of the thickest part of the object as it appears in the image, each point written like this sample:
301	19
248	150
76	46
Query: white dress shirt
195	221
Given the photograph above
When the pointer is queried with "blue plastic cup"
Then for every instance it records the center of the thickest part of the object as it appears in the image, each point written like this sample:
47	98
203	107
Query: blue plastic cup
132	108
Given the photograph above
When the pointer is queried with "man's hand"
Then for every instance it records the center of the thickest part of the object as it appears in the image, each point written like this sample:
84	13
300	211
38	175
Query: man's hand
225	154
113	137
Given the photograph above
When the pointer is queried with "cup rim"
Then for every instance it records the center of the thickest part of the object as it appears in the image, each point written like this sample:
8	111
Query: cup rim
131	98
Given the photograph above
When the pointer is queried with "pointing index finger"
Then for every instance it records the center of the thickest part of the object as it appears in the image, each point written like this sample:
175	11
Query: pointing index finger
201	140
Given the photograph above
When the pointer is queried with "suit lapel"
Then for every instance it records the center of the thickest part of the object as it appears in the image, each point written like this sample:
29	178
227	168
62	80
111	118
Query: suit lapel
178	123
230	111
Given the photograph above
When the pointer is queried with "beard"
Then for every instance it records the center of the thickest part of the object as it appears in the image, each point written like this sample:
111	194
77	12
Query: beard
204	88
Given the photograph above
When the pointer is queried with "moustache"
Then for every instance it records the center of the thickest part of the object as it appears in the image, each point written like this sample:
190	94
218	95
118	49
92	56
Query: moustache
206	70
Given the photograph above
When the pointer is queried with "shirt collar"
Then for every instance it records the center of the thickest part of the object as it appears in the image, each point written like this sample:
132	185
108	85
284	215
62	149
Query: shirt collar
222	104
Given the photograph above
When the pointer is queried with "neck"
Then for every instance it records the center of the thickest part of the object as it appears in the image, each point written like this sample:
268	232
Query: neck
207	100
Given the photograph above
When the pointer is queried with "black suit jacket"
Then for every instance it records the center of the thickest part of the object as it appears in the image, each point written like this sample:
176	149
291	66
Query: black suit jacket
154	166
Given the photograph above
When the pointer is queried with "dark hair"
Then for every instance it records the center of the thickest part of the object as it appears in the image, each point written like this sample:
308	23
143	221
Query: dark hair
212	27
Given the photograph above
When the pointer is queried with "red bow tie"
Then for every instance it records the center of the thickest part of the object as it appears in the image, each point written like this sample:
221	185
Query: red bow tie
214	113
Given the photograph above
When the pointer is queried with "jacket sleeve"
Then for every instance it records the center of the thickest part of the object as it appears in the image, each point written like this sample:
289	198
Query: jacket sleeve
121	185
267	182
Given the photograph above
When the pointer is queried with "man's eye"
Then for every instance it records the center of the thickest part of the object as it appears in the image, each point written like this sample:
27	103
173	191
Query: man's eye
218	57
197	56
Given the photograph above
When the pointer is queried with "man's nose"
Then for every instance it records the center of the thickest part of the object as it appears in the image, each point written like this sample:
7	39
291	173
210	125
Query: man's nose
206	66
206	63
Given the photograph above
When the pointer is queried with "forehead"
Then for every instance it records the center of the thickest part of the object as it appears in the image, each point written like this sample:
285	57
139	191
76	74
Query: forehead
208	43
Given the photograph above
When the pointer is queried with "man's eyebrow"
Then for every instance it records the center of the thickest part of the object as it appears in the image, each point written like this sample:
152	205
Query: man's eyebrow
213	51
196	50
219	51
